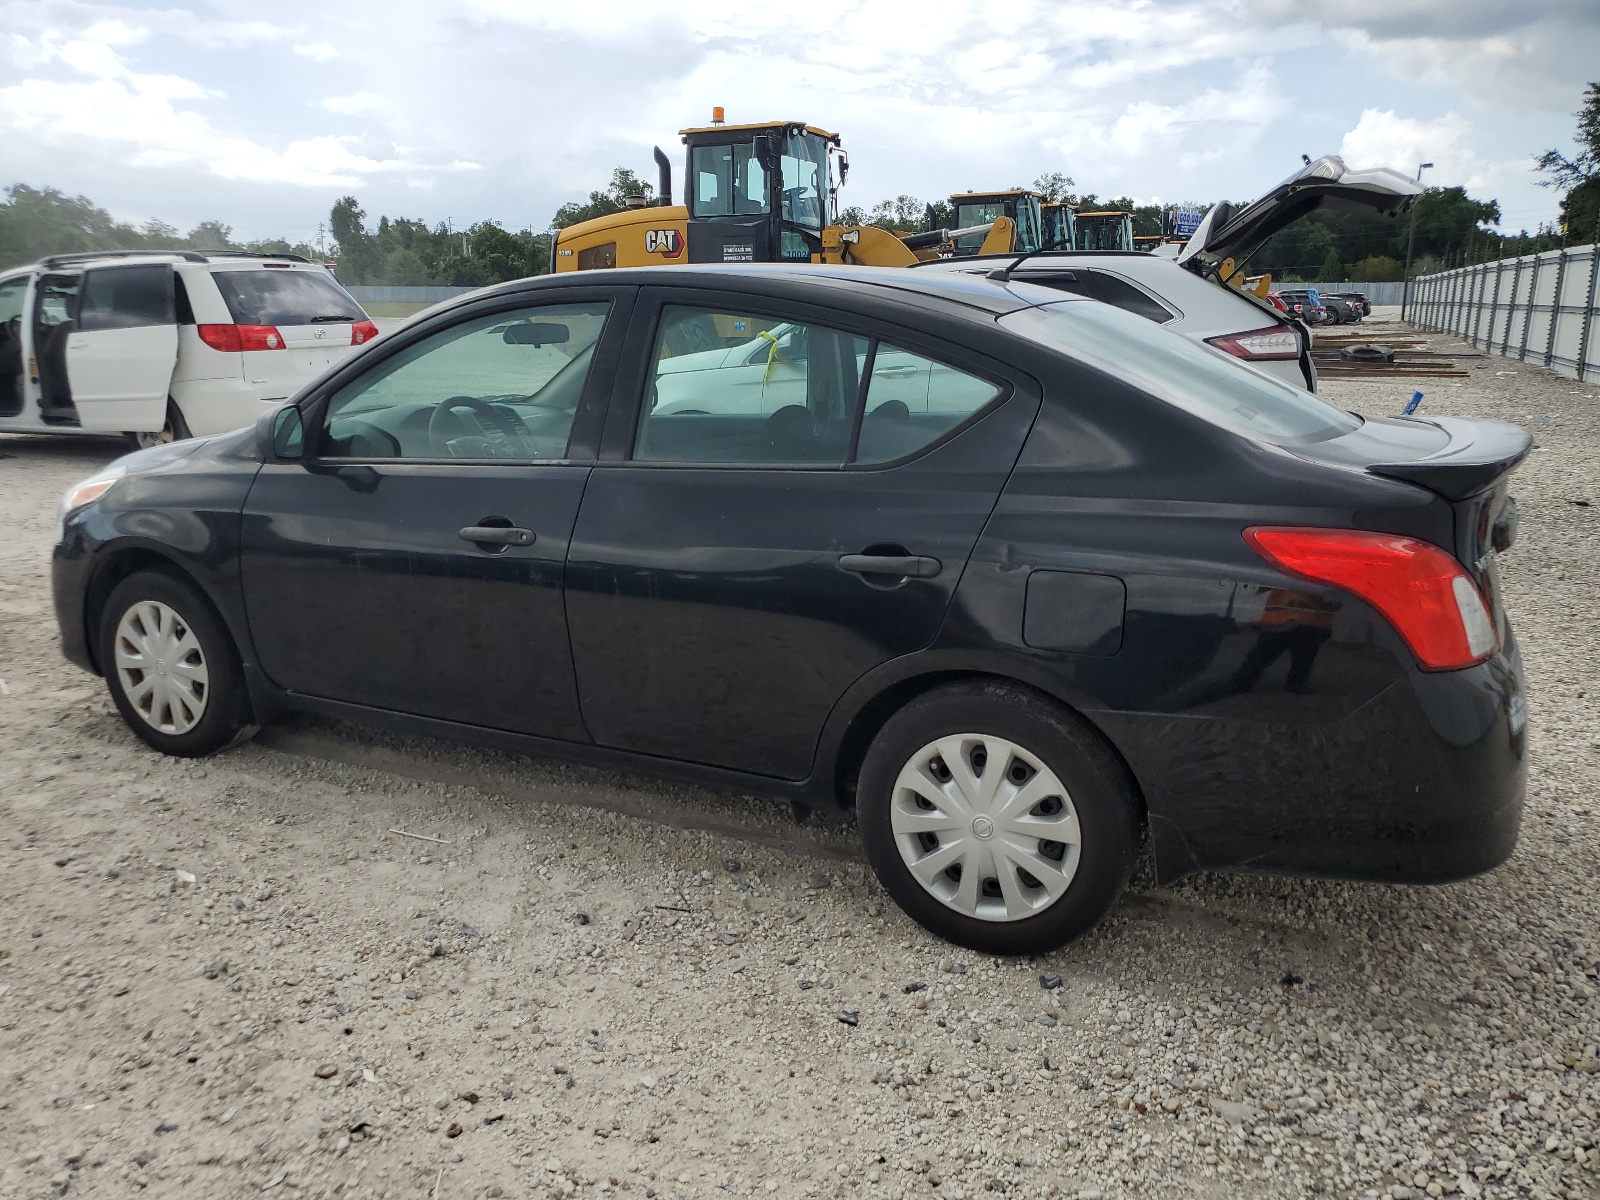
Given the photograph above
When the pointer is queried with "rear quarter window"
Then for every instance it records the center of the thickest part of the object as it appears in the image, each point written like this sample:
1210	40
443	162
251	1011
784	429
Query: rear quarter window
285	297
1193	377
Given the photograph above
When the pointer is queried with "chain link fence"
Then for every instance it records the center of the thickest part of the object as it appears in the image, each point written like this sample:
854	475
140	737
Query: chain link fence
1539	308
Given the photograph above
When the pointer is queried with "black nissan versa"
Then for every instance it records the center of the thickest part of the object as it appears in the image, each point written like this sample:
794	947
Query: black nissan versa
1020	578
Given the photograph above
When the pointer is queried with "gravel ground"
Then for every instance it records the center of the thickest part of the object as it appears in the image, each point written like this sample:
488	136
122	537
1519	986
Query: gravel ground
231	976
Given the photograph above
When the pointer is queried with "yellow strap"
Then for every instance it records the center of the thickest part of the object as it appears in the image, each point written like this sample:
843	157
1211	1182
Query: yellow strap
772	355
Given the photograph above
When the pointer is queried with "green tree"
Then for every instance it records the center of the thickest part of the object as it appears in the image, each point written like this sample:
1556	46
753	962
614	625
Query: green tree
1377	268
623	183
1054	186
1332	270
1579	176
211	235
403	268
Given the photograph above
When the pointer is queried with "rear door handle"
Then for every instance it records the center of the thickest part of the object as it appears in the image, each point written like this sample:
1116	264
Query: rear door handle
497	535
900	566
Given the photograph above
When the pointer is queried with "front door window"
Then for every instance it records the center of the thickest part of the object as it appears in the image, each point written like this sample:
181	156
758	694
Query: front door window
499	387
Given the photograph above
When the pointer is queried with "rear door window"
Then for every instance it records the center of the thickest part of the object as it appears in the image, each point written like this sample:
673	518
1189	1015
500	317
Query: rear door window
126	298
279	296
739	387
1121	294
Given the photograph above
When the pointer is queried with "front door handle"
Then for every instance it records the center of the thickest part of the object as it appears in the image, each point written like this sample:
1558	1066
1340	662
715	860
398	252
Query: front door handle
497	535
899	566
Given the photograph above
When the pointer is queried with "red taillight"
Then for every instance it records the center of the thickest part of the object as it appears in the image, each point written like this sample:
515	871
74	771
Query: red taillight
234	338
1422	591
1277	341
362	331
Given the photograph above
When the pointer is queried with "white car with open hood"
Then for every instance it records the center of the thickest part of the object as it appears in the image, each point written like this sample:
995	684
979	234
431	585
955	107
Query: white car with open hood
1183	292
162	345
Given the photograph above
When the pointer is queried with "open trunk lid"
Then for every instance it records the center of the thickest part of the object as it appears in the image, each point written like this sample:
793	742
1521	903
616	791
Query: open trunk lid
1229	232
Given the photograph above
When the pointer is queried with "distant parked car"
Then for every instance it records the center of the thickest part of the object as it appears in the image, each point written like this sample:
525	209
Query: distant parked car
1358	302
1307	304
164	345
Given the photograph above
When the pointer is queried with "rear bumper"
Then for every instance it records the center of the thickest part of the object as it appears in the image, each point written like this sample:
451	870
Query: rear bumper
1424	784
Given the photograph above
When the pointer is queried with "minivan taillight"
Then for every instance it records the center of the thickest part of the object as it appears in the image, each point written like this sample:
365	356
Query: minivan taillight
1278	341
361	332
1422	591
234	338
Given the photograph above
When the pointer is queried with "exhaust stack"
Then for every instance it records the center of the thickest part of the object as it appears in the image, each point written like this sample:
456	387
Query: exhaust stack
664	172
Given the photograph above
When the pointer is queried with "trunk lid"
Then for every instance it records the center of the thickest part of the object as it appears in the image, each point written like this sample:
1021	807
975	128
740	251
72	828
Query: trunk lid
1229	232
1468	462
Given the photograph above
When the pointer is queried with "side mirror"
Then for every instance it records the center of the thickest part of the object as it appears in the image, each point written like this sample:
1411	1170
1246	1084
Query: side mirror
765	148
288	433
535	333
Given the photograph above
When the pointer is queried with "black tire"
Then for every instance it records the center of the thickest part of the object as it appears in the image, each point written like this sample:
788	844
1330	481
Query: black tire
176	429
1098	786
224	717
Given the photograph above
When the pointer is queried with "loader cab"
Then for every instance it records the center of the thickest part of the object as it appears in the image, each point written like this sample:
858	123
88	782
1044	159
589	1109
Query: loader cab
1060	227
1109	230
760	193
981	208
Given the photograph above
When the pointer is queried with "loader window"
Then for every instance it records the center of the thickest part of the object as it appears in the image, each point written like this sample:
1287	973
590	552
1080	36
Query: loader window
728	182
968	215
805	180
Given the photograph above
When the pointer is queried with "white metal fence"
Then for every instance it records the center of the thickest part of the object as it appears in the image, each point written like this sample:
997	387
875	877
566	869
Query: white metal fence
1539	308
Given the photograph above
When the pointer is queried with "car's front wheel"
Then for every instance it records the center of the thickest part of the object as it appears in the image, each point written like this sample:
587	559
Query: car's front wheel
995	819
172	669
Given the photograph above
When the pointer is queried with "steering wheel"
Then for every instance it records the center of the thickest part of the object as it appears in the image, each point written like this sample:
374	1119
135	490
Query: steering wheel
487	416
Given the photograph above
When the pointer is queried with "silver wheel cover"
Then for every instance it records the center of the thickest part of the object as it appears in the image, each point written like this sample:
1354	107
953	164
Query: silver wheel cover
985	826
161	668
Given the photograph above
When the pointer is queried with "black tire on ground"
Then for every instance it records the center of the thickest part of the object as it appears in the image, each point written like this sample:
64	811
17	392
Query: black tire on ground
176	429
225	716
1097	783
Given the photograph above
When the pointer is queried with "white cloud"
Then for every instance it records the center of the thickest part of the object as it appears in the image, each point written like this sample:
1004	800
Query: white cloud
1383	139
356	105
316	51
140	112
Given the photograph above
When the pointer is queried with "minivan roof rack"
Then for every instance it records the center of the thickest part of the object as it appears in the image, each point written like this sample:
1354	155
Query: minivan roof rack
63	260
252	254
199	256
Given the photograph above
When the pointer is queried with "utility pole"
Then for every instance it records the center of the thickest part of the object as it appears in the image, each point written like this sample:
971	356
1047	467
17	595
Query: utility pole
1411	238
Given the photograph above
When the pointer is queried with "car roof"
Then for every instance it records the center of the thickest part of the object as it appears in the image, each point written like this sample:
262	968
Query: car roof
807	281
89	258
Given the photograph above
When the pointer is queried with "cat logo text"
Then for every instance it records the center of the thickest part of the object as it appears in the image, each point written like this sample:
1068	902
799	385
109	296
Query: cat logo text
666	242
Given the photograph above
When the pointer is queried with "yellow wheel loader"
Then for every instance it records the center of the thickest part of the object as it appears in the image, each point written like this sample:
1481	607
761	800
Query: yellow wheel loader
977	211
755	193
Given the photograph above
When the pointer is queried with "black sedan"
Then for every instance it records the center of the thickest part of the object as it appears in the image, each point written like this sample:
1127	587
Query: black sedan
1024	579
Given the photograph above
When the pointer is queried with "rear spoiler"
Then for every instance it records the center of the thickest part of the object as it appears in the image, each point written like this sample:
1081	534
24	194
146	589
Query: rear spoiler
1478	454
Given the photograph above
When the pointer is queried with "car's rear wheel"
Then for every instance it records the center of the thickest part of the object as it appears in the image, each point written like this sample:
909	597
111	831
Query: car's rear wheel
172	669
174	429
995	819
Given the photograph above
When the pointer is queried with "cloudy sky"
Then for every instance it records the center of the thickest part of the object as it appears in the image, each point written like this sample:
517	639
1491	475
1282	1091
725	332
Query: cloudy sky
262	115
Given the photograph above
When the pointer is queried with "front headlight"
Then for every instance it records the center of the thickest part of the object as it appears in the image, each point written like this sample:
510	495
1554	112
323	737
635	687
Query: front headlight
89	490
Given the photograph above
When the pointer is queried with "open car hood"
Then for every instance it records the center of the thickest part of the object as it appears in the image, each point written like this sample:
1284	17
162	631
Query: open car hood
1230	232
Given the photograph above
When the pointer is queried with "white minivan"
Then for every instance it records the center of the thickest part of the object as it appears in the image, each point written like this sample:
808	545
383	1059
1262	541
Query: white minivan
163	345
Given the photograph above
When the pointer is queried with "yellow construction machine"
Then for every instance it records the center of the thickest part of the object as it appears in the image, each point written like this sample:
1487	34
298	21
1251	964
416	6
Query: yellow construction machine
979	214
756	193
1108	230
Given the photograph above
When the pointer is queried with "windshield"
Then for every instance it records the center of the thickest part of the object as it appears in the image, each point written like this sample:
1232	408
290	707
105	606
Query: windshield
968	215
286	297
805	180
1102	233
1194	377
728	181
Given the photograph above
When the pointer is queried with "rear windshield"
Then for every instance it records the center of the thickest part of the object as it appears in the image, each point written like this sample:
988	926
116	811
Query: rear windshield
280	297
1194	377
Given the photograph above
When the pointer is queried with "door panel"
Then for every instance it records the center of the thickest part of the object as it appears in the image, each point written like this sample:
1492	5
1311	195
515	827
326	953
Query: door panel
414	562
121	354
710	618
120	377
359	588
